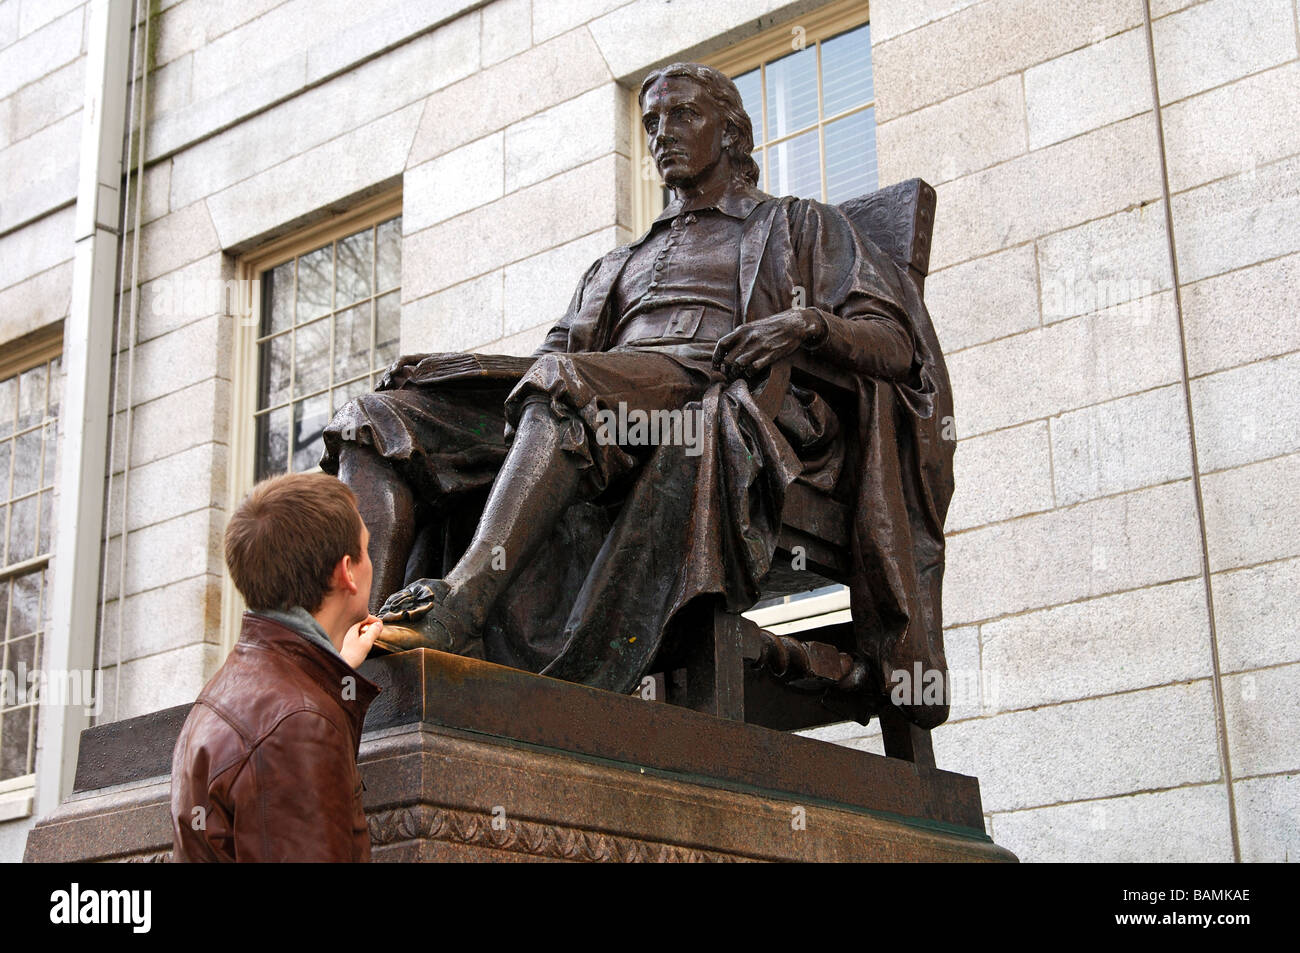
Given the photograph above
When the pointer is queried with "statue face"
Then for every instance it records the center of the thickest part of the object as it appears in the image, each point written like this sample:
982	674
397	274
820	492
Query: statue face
684	129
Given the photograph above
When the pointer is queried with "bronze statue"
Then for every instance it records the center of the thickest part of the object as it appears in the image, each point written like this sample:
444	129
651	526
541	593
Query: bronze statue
635	467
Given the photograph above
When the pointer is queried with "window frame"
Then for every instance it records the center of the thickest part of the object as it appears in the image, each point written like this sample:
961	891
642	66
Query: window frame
817	25
17	794
245	372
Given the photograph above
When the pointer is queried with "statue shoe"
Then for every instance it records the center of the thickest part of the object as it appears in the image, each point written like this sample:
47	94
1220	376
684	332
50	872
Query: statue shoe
414	618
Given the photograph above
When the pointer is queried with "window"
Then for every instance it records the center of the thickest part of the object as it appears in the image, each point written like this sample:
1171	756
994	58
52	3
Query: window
30	390
329	324
808	89
323	325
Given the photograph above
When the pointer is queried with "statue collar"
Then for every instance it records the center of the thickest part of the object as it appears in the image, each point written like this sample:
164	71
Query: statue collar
737	201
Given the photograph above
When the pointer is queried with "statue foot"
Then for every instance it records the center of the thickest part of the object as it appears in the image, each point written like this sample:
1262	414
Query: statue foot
415	618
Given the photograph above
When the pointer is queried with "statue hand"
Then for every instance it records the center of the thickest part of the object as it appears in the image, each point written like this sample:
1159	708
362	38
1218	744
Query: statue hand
753	346
399	371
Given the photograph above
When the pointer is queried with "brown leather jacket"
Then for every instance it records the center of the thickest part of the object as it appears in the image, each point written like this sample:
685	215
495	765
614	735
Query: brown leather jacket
265	768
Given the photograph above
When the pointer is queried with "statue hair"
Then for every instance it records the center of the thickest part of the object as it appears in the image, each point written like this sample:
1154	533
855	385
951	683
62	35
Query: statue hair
724	94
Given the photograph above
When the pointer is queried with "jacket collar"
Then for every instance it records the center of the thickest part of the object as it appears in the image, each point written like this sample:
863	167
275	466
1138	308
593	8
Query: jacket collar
738	201
325	669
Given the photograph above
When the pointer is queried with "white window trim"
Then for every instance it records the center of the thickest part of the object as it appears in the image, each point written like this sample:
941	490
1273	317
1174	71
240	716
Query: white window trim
244	377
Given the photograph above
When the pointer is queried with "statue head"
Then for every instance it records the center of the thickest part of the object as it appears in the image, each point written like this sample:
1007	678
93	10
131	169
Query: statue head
717	94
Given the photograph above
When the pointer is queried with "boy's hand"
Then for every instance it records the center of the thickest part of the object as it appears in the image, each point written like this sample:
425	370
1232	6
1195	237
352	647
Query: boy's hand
359	640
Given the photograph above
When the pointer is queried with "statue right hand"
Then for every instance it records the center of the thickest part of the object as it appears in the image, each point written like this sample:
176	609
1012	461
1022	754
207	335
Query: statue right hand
399	371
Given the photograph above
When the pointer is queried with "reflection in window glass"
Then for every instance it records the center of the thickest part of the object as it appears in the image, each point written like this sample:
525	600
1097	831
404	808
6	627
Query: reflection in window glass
330	322
814	119
29	411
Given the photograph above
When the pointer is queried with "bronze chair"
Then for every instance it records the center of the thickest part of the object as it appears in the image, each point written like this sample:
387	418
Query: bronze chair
745	673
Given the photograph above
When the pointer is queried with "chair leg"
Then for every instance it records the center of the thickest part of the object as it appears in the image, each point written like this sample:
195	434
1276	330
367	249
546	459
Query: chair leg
715	672
904	739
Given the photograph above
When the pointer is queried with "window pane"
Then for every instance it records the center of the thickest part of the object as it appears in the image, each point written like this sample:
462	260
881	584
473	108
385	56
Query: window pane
792	93
55	386
273	443
22	530
6	453
50	439
315	284
22	651
278	300
389	260
27	462
846	71
794	167
341	395
31	397
275	357
311	358
751	94
388	327
8	405
309	419
25	608
352	342
353	280
851	156
47	518
14	727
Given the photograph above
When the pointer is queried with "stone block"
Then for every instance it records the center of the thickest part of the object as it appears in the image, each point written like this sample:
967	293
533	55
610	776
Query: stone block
171	88
453	183
593	125
522	344
39	173
1087	749
8	22
518	226
1101	646
1064	366
969	132
173	361
322	114
176	421
36	301
1248	413
201	289
1264	296
1121	445
1103	546
966	681
1268	819
1234	129
507	29
363	160
491	99
538	289
984	299
890	18
1255	611
193	479
1239	221
41	52
161	681
191	609
983	42
1001	475
1104	263
48	100
1088	88
165	553
1250	513
1213	43
1183	825
462	318
175	240
552	19
36	247
1262	709
1057	187
646	33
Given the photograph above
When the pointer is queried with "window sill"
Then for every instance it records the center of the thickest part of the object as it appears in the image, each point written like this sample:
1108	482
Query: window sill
16	804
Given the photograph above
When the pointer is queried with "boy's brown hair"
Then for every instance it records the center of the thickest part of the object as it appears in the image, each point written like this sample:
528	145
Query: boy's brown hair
286	537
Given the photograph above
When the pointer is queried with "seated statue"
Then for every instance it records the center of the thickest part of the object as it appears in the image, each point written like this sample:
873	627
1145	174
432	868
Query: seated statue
570	536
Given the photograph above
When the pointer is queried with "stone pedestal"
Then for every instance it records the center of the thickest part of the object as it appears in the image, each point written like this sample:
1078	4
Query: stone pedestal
465	760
